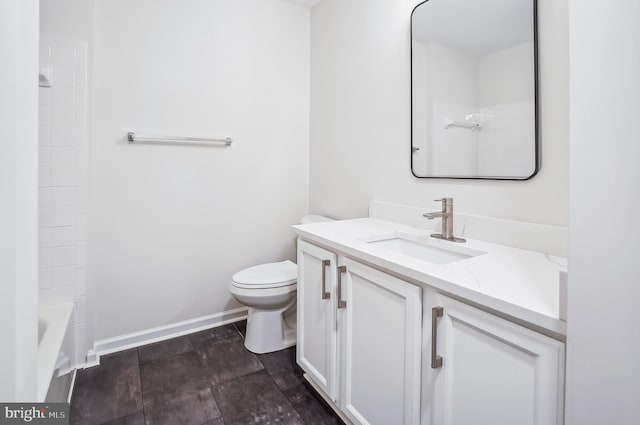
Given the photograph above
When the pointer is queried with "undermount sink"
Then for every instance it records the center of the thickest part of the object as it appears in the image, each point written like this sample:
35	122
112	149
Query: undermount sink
433	251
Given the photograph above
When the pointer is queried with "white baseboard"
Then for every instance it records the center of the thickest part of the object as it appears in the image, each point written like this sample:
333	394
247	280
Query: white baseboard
72	385
161	333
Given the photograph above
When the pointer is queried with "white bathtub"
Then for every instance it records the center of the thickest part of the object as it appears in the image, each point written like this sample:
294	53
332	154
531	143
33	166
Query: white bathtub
55	350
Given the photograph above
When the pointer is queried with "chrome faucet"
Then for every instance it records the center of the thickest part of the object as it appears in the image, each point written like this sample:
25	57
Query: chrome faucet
447	221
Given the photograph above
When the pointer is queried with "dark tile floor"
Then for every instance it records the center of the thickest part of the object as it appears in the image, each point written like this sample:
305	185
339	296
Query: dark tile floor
206	378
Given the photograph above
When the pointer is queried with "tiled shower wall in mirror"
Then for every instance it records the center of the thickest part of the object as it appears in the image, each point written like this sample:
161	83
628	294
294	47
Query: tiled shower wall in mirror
63	179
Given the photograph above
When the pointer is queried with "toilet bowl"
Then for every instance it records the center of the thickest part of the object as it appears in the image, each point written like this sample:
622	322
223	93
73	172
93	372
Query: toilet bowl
269	290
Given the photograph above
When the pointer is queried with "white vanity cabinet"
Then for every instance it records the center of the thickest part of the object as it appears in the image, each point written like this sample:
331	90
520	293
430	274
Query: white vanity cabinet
386	351
362	345
492	372
380	333
316	349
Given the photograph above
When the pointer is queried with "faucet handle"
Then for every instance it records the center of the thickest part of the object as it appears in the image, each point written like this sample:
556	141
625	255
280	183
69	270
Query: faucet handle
446	199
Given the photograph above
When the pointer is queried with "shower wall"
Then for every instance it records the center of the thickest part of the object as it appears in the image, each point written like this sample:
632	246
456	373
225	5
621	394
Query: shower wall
495	90
63	178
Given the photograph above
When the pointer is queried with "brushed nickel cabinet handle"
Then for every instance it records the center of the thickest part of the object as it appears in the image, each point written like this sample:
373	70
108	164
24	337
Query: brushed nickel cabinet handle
341	302
436	360
325	295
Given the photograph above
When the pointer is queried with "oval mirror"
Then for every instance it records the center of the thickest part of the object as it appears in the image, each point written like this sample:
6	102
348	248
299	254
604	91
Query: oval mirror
474	89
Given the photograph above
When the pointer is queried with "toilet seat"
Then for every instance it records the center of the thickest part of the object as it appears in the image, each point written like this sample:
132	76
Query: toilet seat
270	275
269	291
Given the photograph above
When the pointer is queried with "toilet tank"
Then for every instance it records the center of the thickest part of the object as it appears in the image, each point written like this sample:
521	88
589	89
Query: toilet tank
314	219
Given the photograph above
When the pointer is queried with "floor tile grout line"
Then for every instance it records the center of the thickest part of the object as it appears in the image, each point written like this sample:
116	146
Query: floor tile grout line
217	403
238	330
203	369
275	384
144	414
292	405
264	370
141	397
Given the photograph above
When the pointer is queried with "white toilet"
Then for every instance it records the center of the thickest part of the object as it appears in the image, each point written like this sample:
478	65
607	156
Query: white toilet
269	290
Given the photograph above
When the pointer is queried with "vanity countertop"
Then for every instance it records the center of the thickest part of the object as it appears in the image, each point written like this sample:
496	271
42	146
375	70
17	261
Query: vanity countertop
519	283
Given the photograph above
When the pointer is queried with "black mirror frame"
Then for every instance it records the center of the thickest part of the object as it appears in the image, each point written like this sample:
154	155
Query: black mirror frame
536	102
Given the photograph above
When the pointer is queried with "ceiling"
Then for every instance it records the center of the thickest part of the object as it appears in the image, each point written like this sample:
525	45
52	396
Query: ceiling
477	26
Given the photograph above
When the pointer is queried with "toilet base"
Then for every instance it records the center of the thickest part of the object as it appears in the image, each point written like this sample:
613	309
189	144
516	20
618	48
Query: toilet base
271	330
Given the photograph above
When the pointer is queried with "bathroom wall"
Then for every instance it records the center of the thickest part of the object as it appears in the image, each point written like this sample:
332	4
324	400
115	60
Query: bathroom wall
18	199
63	179
171	224
360	118
506	91
67	19
66	28
603	343
450	92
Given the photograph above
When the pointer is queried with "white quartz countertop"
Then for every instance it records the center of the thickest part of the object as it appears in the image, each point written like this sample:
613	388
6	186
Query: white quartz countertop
519	283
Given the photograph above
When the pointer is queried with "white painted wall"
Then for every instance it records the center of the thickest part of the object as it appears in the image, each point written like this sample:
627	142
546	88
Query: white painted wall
360	128
452	93
421	118
506	76
506	92
171	224
18	199
603	376
68	19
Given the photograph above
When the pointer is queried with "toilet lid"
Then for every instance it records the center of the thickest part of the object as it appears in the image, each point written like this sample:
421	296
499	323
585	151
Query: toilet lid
270	275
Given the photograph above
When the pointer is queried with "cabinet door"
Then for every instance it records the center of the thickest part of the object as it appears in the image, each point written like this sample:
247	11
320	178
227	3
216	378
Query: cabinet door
317	334
380	331
495	372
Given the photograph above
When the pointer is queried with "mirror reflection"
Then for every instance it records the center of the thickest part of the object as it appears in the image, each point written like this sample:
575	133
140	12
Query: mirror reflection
473	86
